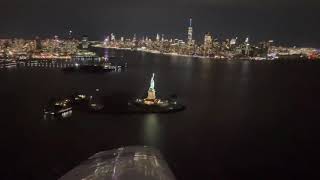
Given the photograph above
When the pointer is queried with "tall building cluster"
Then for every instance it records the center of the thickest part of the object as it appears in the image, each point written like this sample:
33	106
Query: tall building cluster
233	48
210	47
46	48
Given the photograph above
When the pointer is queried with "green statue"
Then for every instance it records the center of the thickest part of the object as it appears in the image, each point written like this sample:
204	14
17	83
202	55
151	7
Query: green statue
152	83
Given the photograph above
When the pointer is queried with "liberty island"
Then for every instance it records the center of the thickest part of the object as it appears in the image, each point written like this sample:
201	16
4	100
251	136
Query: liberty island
151	104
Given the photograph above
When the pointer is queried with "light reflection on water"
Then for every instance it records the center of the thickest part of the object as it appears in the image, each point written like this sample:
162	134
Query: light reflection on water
244	71
205	67
244	79
151	129
106	54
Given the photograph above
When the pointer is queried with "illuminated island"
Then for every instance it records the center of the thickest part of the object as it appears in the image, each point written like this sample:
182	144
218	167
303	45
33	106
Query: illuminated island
151	104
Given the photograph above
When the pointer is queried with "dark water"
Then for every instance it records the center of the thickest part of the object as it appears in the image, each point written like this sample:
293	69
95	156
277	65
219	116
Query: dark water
244	120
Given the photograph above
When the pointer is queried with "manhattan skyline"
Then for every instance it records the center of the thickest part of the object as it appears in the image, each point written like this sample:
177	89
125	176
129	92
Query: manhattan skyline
288	22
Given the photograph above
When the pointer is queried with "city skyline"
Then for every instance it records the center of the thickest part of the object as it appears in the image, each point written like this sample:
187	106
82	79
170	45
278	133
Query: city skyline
293	23
210	46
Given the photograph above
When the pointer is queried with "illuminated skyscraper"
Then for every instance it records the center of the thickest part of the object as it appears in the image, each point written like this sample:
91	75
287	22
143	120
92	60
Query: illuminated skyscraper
85	42
247	46
233	41
38	43
113	37
207	41
70	34
190	31
158	37
106	40
134	39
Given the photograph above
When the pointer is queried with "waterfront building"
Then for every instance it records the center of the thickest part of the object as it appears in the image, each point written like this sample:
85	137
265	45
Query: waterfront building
113	37
207	45
207	41
38	43
247	47
134	39
70	35
106	40
233	42
85	42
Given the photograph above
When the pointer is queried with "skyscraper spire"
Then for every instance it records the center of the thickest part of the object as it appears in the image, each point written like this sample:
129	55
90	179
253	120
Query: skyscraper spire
158	37
190	31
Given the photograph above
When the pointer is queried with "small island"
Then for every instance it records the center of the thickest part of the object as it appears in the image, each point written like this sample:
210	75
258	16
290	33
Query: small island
152	104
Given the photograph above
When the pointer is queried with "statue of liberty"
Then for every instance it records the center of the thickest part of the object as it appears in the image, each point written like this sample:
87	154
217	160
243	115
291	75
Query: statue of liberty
152	91
152	83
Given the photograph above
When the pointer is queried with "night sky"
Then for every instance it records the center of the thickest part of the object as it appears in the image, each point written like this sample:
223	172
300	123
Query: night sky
288	22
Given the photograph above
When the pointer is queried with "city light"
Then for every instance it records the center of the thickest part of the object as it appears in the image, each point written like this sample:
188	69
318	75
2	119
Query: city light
228	49
210	47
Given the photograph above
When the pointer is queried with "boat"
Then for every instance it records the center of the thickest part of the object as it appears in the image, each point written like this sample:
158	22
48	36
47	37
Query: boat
58	108
79	98
95	104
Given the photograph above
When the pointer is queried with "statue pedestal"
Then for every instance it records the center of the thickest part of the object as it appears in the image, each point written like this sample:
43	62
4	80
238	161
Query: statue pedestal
151	95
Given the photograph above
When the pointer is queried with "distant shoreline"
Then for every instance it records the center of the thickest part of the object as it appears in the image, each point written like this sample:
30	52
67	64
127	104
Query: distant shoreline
158	52
289	57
